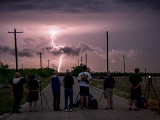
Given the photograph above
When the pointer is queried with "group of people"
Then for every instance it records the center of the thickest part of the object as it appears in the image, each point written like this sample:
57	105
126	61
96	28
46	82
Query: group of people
18	89
68	82
83	79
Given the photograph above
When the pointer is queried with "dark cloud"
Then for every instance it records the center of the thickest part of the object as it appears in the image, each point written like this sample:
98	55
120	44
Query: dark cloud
21	53
71	6
70	51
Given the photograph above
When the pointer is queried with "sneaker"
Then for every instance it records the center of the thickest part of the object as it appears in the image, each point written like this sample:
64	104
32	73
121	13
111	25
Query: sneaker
70	110
66	110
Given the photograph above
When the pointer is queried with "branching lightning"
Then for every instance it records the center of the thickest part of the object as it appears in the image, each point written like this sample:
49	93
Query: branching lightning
53	46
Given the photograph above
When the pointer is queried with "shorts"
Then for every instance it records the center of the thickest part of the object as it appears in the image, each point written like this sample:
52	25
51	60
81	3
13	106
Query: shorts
135	94
84	91
108	93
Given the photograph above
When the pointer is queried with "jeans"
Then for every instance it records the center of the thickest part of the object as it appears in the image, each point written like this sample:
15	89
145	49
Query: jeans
68	92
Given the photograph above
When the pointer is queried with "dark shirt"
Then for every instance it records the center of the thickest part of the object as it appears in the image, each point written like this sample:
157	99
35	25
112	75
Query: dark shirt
55	84
33	85
135	79
109	82
68	81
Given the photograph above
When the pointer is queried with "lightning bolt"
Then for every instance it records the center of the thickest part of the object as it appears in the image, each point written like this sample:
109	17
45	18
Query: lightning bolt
60	59
60	62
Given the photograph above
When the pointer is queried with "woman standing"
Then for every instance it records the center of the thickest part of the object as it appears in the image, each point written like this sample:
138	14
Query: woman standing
33	93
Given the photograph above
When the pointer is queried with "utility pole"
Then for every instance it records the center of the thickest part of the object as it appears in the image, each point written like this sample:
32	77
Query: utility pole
124	63
78	62
40	54
107	50
81	60
48	62
86	60
15	39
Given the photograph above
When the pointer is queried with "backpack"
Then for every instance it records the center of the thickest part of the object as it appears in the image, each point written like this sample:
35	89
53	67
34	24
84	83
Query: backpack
141	102
94	104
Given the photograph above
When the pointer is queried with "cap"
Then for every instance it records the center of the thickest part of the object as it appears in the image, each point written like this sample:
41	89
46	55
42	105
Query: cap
68	71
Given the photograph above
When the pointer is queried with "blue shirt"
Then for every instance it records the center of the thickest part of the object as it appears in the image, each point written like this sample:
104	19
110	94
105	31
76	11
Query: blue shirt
55	84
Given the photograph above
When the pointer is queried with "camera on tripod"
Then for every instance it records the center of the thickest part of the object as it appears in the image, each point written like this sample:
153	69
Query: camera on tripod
149	80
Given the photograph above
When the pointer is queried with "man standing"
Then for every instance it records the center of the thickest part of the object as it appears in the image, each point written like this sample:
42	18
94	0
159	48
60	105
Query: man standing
109	83
68	82
17	85
135	81
83	80
56	91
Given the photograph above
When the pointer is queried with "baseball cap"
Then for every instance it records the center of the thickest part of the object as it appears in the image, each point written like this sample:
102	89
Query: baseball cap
68	71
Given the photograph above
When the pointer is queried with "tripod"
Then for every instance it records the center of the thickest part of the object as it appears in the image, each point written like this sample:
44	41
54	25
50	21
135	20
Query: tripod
42	93
148	89
101	97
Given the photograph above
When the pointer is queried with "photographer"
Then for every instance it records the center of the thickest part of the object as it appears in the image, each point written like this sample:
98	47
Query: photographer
83	80
17	85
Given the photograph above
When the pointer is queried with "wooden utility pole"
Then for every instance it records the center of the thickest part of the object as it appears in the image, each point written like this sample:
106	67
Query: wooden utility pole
86	60
40	54
124	64
15	39
78	62
48	62
107	50
81	60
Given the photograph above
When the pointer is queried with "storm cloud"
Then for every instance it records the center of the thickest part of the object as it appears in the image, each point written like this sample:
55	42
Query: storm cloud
21	53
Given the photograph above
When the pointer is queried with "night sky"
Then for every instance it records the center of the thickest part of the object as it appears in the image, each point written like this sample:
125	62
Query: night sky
68	29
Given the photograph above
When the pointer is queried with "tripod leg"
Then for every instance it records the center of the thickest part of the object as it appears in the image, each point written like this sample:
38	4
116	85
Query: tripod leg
41	100
76	99
100	98
155	95
45	100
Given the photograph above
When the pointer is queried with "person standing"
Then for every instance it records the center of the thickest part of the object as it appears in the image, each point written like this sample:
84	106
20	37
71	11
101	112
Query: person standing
17	86
33	93
56	91
135	81
109	83
68	82
83	80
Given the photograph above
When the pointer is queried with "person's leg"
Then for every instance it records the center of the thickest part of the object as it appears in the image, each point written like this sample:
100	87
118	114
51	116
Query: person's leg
35	106
66	98
54	101
58	101
86	95
131	100
86	102
71	98
111	98
30	106
82	95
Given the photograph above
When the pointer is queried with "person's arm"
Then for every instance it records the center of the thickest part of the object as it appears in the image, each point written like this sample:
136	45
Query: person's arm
138	85
129	82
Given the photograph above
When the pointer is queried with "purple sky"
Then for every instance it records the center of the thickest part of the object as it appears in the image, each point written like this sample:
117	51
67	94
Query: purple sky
80	27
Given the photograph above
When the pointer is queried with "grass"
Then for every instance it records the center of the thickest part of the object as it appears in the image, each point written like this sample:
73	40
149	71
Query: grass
124	92
6	98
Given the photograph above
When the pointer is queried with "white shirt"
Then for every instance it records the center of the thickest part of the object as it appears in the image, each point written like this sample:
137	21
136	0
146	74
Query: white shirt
82	83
